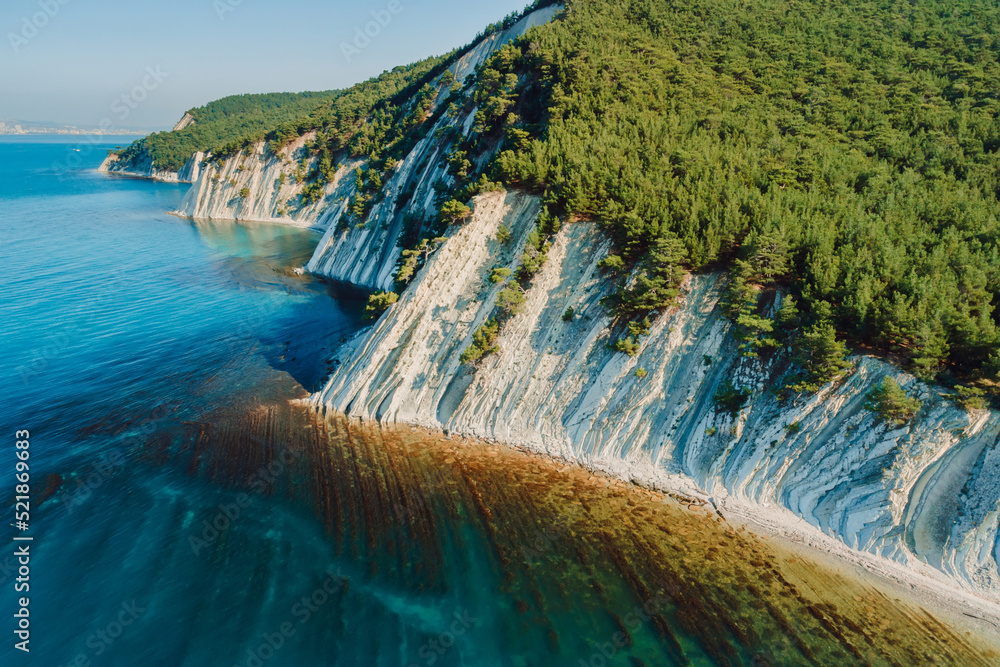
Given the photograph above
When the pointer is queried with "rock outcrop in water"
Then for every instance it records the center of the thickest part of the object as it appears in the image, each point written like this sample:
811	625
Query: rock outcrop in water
927	492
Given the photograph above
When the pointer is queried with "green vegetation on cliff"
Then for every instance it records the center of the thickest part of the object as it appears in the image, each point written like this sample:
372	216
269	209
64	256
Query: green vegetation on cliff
891	403
226	125
846	151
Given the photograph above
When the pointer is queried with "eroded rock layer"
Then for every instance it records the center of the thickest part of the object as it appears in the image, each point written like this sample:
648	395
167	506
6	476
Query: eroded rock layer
926	494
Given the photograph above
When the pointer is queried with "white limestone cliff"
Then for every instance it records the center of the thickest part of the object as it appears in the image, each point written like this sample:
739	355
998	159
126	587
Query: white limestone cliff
367	255
364	254
185	121
143	167
925	495
259	186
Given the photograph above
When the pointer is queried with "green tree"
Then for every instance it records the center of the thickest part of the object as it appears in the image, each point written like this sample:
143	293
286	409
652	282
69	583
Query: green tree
755	334
730	399
766	255
378	303
499	274
454	210
412	260
740	296
787	317
483	342
626	345
657	285
612	263
511	301
970	398
820	357
891	403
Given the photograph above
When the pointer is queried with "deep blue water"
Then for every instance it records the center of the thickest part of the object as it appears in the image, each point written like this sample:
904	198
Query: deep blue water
119	323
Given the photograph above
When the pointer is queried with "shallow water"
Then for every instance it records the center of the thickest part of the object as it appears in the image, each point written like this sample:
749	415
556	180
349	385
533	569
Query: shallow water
187	513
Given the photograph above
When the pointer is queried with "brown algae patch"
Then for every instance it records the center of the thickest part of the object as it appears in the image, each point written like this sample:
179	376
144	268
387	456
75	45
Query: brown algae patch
735	595
568	564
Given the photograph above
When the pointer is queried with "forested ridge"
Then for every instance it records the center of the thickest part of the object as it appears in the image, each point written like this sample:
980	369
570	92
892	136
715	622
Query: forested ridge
843	151
226	125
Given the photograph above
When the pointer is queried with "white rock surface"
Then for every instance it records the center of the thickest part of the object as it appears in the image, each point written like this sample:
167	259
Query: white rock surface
185	121
926	495
365	254
467	64
271	189
142	167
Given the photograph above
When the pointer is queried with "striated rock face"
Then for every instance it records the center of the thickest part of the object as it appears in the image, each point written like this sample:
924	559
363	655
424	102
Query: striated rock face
185	121
271	190
143	167
486	46
364	254
367	255
926	495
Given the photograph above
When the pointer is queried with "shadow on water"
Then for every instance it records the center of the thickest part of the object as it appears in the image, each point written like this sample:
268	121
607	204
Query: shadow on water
265	257
305	345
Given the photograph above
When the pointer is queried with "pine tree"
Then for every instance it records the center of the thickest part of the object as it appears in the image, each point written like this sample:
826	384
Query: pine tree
767	256
657	285
454	210
787	317
740	296
891	403
820	356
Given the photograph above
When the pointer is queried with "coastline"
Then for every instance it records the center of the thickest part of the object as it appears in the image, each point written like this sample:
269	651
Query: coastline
271	221
288	222
964	610
910	582
797	535
141	177
667	454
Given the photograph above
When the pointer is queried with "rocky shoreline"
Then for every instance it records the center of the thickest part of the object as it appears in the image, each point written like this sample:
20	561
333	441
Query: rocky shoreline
924	497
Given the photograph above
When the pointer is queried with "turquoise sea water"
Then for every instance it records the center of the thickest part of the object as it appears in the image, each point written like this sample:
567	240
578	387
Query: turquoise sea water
119	323
185	512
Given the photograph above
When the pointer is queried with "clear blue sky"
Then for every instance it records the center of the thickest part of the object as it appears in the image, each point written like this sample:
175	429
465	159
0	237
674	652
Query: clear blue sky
88	53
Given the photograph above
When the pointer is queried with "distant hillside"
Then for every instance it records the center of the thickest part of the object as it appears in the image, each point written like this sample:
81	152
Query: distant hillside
225	125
